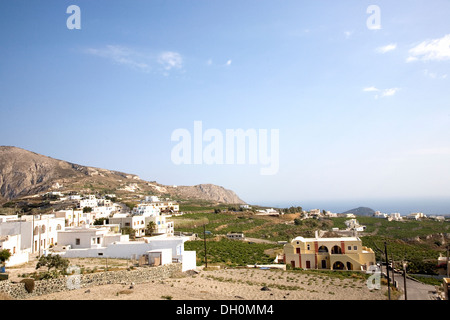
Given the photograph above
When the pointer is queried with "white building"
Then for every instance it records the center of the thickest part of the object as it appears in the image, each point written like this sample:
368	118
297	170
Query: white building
330	214
236	236
162	226
137	249
12	243
75	218
417	216
353	224
167	205
395	216
381	215
88	237
146	210
270	211
137	223
37	232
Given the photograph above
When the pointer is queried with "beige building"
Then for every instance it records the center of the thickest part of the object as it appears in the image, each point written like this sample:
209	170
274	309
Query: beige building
346	253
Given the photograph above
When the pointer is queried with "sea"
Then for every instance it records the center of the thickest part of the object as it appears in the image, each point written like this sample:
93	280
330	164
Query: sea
436	206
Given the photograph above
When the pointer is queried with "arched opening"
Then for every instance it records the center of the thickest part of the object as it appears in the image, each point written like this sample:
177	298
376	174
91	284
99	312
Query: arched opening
322	249
336	250
338	266
349	266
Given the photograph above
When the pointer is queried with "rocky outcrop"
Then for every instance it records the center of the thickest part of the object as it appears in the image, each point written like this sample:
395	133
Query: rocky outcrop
25	173
208	192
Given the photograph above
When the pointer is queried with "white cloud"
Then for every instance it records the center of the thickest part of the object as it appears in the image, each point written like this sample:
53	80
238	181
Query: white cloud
138	60
371	89
170	60
387	48
122	55
228	63
384	93
389	92
209	62
435	49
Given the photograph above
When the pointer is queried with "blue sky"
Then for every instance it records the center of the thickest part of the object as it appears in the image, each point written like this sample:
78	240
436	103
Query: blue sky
363	114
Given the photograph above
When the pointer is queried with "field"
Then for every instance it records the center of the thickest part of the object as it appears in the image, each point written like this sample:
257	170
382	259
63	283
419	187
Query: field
415	241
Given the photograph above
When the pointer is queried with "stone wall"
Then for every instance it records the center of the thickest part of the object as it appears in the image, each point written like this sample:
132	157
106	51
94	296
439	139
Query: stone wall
141	275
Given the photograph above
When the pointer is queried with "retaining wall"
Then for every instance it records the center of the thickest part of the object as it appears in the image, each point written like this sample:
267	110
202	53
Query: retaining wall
41	287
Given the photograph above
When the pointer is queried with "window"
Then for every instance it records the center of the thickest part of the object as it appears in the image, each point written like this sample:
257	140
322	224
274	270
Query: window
77	241
349	247
98	240
355	248
308	247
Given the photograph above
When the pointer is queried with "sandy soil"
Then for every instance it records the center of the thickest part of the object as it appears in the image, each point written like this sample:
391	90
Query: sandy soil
231	284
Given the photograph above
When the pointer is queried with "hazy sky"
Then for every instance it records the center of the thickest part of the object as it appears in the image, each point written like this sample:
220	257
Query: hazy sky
360	97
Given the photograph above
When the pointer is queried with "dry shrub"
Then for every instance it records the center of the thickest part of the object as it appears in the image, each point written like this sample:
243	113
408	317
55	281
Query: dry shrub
29	284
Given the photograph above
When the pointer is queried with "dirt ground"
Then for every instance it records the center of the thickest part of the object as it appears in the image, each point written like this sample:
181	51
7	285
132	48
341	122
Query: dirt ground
231	284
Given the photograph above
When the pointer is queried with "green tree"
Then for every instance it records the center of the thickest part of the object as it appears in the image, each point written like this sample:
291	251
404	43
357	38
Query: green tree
87	209
52	261
99	221
129	231
151	227
5	254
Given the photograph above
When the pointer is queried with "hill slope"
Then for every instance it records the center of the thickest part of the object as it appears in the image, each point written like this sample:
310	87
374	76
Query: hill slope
361	211
24	173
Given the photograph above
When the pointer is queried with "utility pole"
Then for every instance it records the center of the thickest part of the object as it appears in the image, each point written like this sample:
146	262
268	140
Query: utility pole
393	273
204	240
387	270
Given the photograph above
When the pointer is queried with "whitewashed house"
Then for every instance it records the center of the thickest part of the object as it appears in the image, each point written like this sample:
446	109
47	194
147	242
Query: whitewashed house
416	216
87	237
126	249
381	215
395	216
12	243
161	205
38	232
137	223
353	224
146	210
75	218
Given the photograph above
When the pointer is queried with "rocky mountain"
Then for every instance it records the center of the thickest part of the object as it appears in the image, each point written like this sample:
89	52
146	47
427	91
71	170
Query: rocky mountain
361	211
25	173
